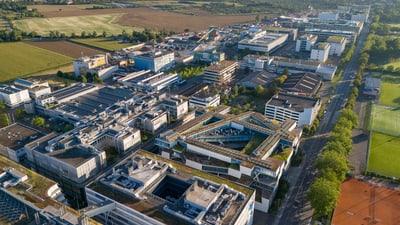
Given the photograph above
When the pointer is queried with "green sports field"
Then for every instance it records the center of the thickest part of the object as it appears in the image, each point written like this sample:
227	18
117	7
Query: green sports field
390	90
20	59
385	119
73	24
103	43
384	155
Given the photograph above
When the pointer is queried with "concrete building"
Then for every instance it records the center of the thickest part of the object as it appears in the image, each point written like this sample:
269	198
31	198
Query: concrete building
320	52
149	82
29	198
208	55
13	96
204	98
292	32
35	88
305	42
215	143
301	109
176	106
145	185
337	44
154	61
267	42
152	121
221	73
84	64
323	34
262	78
255	62
332	16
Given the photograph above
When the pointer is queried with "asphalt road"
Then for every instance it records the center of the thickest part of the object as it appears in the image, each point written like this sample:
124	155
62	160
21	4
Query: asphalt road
296	209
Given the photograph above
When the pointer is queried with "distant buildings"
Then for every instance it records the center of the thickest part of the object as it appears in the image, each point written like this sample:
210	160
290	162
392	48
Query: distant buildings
320	52
148	81
208	55
221	73
154	61
13	96
84	64
266	42
301	109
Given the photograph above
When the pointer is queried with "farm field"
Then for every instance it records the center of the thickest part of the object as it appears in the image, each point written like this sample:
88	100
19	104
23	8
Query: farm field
128	18
103	43
384	155
390	90
65	48
20	59
73	24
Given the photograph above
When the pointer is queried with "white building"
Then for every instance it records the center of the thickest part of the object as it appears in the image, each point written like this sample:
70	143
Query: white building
221	73
301	109
204	99
35	88
305	42
268	42
84	64
152	121
320	52
176	106
337	44
13	96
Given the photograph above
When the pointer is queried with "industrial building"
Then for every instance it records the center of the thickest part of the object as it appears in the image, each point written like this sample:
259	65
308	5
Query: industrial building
148	81
147	189
35	88
82	65
29	198
221	73
302	84
13	96
257	78
266	43
302	109
216	142
154	61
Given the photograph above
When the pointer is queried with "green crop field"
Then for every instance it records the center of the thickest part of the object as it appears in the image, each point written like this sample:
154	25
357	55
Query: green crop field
20	59
390	90
74	24
103	43
384	155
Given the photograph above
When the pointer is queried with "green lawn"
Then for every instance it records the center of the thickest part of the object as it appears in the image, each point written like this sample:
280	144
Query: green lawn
390	90
395	64
385	119
384	155
103	43
19	59
74	24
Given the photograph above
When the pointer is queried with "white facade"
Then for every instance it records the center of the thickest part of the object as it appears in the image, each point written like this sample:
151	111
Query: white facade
320	52
305	42
221	73
268	42
84	64
13	96
337	45
199	101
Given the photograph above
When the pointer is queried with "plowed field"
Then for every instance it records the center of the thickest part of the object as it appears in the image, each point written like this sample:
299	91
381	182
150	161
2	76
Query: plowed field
65	48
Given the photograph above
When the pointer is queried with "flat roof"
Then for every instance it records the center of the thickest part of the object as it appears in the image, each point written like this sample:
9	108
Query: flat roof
221	65
304	83
74	156
16	135
293	102
7	89
72	90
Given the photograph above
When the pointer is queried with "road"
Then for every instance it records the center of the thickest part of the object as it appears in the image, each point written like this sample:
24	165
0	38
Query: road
296	210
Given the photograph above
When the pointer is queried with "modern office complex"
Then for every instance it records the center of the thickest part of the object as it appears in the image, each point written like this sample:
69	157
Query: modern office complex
154	61
13	96
221	73
320	52
147	189
268	42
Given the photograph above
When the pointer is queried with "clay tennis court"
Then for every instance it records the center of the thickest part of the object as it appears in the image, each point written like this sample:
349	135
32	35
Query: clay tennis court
361	203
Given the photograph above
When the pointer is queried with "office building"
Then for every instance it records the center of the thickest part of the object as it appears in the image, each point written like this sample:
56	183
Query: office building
221	73
320	52
267	43
13	96
154	61
305	42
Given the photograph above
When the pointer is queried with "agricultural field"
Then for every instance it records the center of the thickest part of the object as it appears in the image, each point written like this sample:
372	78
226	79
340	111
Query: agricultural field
76	19
20	59
390	90
102	43
73	24
65	48
384	155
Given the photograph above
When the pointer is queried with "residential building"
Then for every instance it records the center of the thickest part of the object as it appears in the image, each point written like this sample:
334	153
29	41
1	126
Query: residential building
305	42
13	96
301	109
221	73
302	84
320	52
337	44
214	142
204	98
84	64
29	198
147	189
208	55
266	43
154	61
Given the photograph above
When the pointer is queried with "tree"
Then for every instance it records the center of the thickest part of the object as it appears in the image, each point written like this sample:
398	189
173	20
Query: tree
104	34
19	113
2	105
83	34
94	34
4	120
331	160
350	115
259	90
323	195
38	121
186	30
82	79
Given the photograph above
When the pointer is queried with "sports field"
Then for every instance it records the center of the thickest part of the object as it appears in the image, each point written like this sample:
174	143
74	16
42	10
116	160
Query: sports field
20	59
384	155
74	24
390	90
362	203
385	119
103	43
